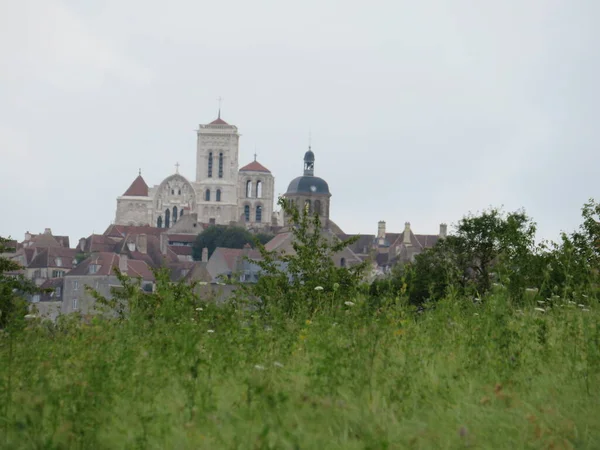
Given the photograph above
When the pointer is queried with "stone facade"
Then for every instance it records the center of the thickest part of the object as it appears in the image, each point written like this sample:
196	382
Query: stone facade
219	194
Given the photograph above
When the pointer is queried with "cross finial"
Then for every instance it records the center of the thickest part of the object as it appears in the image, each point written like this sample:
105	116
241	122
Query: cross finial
254	152
140	171
220	99
309	138
177	167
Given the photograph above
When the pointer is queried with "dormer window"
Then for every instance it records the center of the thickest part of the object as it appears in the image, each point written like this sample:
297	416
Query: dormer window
93	268
58	262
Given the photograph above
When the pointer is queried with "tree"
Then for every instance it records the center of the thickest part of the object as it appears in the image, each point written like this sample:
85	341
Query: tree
13	306
306	280
225	236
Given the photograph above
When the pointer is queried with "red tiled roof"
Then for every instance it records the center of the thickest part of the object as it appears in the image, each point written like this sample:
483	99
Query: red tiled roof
138	188
218	121
120	231
231	254
254	166
182	237
181	250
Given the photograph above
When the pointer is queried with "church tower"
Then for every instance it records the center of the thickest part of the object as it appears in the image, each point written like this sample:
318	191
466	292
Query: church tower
217	172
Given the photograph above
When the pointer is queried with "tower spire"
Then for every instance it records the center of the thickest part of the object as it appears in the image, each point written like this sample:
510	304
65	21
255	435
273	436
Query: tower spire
220	100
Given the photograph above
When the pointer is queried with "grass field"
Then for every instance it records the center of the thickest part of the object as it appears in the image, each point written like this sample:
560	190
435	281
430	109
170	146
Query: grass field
463	375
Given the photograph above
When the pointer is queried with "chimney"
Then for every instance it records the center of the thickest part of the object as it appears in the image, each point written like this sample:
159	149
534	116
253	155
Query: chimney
407	233
204	254
381	229
47	231
443	230
27	236
142	243
82	244
123	263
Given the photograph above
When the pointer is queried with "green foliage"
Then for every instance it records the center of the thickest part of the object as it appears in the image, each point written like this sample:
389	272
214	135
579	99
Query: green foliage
13	306
225	236
306	280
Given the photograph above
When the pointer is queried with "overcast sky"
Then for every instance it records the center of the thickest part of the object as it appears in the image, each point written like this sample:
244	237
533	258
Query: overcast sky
420	111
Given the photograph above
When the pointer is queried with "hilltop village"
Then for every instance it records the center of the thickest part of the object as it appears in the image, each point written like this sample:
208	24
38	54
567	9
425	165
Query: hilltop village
156	227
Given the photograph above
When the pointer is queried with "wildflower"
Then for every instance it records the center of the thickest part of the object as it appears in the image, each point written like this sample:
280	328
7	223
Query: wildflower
571	303
584	296
308	322
334	324
585	309
277	364
581	305
202	283
210	331
268	328
399	332
259	367
541	302
30	316
348	303
540	309
319	288
531	290
336	286
199	309
476	314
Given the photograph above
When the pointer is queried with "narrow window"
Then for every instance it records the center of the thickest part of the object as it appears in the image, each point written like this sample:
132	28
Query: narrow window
259	213
248	189
75	285
220	165
207	195
343	262
75	304
318	207
307	206
181	213
218	195
174	214
259	189
247	213
210	165
179	192
172	191
159	222
167	218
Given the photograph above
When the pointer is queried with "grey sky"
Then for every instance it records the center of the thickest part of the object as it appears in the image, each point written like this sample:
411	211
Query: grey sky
420	111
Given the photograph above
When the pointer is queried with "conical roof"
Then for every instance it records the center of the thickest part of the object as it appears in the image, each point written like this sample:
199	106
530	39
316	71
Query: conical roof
138	188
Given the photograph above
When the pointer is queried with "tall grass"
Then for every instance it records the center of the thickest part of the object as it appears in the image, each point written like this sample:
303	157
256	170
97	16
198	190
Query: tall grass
463	374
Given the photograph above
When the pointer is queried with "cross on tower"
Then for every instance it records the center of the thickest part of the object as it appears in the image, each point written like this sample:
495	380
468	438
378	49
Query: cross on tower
220	99
177	167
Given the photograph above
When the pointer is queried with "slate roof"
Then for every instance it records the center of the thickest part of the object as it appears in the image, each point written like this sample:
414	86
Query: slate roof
231	255
48	258
138	188
107	261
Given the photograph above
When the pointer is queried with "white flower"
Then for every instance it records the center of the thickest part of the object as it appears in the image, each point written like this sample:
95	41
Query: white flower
319	288
531	290
476	314
199	309
259	367
202	283
348	303
585	309
581	305
277	364
571	303
540	309
541	302
210	331
584	296
30	316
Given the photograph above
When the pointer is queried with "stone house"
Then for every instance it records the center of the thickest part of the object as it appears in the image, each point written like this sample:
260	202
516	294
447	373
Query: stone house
97	272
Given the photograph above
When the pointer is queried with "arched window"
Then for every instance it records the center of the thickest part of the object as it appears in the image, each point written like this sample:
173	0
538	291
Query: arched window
220	165
307	206
218	195
172	191
343	262
207	195
210	165
318	207
248	189
174	214
179	192
159	222
259	213
247	213
181	213
259	189
167	218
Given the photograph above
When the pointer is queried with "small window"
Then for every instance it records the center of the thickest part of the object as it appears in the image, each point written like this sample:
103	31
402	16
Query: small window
58	262
220	165
317	207
247	213
75	304
172	191
58	291
36	298
167	218
159	222
210	163
179	192
248	189
207	195
75	285
93	268
218	195
174	214
343	262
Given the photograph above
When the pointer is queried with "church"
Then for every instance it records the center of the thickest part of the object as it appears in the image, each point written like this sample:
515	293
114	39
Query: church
221	194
